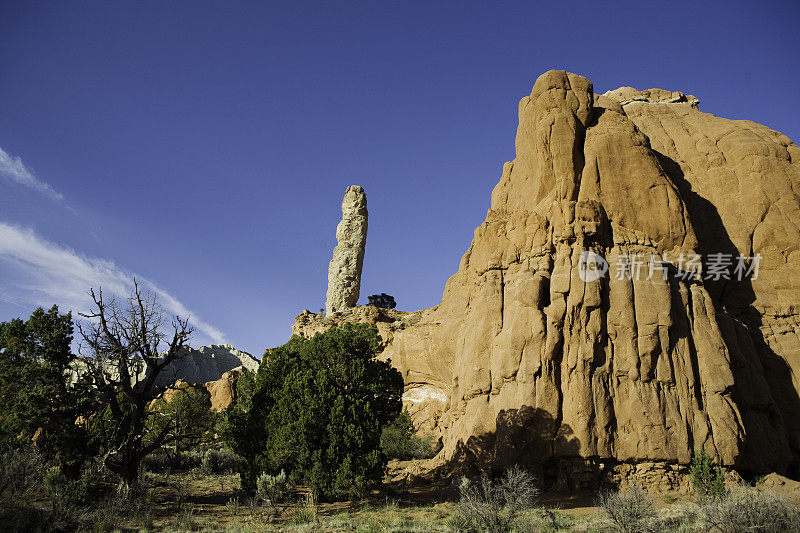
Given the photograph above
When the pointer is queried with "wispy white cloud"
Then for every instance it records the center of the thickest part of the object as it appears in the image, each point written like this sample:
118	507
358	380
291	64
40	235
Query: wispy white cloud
36	271
14	170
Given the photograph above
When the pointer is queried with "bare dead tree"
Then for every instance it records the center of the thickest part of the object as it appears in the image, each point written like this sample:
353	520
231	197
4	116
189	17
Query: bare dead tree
126	349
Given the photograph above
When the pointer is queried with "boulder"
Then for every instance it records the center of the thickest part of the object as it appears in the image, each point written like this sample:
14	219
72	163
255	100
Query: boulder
223	390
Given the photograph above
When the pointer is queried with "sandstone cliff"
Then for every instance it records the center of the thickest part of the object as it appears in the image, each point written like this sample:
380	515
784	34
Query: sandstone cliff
540	365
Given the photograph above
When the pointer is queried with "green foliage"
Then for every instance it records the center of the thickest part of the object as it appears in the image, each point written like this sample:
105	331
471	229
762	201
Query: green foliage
307	512
399	440
36	397
316	409
382	300
233	505
707	478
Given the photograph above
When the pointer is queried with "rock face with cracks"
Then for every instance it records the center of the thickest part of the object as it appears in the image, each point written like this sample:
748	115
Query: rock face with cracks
590	377
344	270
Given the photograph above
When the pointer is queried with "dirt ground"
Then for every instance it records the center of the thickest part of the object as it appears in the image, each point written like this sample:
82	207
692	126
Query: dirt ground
190	501
214	502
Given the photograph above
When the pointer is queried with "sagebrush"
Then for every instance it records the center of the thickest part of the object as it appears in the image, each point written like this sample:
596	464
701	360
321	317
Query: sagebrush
487	505
630	509
750	510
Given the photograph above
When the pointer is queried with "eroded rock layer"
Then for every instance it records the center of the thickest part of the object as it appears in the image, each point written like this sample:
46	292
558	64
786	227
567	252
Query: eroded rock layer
540	362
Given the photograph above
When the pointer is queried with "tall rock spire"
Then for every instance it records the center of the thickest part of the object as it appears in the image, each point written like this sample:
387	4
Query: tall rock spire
344	270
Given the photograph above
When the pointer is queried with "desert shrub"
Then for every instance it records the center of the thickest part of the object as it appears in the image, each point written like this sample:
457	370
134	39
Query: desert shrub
219	461
707	478
316	410
90	488
751	510
90	498
226	462
400	441
68	499
210	461
207	465
383	300
21	472
630	510
158	463
494	506
457	522
272	489
187	521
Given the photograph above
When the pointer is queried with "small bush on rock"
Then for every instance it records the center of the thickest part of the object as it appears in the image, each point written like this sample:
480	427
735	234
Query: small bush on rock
383	300
707	478
630	510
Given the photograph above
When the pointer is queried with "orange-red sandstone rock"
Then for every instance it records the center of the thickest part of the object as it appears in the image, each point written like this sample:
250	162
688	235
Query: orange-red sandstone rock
536	365
223	390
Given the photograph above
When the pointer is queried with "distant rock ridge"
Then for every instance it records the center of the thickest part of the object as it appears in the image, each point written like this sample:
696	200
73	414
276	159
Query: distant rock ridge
207	363
195	365
618	377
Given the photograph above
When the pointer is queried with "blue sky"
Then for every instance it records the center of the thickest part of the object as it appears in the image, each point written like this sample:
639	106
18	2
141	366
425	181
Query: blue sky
205	146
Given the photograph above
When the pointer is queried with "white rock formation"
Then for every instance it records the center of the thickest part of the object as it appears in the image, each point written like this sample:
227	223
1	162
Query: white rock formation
344	271
207	363
196	365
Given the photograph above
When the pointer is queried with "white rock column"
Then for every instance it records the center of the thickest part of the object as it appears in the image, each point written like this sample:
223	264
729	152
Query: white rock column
344	270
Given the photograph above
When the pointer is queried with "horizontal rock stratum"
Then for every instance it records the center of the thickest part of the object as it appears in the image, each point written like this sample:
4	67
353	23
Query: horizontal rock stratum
540	365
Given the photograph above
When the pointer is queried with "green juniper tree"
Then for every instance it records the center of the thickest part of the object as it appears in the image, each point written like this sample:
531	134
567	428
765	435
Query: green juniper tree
315	409
37	400
707	478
